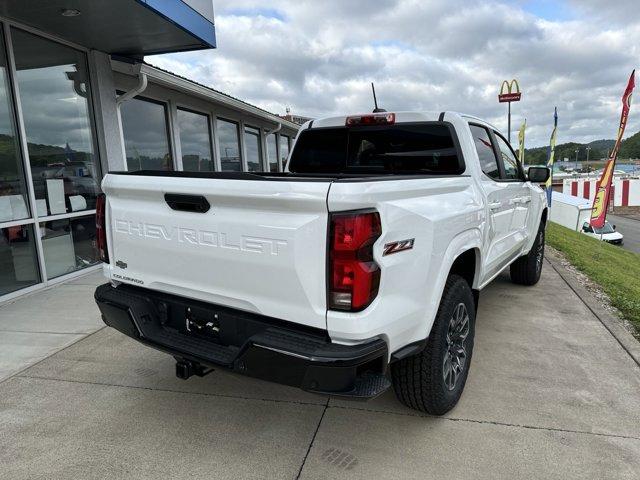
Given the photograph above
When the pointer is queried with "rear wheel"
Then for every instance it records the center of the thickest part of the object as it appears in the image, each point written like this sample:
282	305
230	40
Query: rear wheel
432	380
527	269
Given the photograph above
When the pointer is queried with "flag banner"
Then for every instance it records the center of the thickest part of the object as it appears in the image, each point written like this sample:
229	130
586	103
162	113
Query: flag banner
551	155
521	141
603	194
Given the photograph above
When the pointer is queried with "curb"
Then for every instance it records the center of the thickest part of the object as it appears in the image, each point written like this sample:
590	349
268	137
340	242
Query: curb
627	341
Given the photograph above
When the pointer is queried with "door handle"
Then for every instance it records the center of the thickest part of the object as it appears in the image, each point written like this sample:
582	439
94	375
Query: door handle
525	200
495	205
187	203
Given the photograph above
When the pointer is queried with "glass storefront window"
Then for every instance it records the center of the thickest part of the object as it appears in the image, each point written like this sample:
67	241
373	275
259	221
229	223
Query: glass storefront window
284	150
18	260
272	152
68	245
229	145
195	141
53	81
146	136
14	204
254	152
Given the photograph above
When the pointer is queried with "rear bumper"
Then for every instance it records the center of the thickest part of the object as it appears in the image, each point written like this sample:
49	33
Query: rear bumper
245	343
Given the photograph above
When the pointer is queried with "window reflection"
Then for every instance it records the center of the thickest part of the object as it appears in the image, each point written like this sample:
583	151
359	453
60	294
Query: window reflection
18	261
13	191
54	94
229	145
68	245
284	150
272	152
146	140
254	152
195	141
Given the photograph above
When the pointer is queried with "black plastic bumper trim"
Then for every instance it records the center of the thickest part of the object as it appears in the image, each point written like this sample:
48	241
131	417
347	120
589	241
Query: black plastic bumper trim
274	350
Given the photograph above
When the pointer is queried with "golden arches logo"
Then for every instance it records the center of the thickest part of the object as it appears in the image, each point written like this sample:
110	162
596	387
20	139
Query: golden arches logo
509	91
507	87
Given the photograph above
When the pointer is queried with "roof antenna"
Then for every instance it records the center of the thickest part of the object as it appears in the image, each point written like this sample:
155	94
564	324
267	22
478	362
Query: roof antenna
375	100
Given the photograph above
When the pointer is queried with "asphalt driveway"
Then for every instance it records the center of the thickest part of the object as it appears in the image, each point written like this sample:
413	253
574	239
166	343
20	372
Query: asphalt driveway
629	226
551	394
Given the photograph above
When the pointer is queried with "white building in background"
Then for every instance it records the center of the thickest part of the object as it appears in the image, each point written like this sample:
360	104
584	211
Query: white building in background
626	191
76	101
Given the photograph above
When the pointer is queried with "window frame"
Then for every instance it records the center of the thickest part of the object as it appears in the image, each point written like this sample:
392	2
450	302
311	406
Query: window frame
259	135
496	153
240	142
169	128
210	131
495	134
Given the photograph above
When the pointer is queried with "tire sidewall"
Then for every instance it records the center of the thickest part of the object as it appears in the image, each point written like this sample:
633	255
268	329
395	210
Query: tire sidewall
459	292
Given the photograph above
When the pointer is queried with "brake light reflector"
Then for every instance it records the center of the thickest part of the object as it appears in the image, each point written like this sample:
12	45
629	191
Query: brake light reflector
371	119
354	276
101	228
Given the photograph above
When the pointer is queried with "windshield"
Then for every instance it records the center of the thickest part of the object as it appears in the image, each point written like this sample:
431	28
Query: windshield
418	148
607	228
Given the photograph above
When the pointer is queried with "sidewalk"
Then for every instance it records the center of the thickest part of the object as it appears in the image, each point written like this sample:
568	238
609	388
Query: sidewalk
37	325
551	394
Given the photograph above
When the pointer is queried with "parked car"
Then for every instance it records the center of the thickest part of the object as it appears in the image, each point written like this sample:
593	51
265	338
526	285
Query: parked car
607	233
358	268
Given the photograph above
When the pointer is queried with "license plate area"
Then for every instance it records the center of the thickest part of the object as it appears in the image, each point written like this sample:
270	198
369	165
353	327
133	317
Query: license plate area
202	323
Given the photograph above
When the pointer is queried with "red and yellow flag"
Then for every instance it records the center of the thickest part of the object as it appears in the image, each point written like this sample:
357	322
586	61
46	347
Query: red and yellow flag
601	200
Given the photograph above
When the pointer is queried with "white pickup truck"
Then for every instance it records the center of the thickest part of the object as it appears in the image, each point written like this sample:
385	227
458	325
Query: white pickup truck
356	269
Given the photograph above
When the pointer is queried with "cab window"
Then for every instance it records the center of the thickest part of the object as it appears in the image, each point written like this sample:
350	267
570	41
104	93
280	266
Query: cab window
512	169
486	152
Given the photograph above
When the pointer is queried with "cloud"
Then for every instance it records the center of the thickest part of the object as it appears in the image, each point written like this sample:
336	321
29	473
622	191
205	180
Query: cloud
320	57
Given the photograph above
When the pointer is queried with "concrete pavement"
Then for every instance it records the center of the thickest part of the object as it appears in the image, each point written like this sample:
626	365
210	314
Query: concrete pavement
551	394
38	325
629	226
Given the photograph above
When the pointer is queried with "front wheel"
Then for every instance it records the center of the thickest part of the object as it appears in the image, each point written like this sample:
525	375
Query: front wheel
527	269
432	381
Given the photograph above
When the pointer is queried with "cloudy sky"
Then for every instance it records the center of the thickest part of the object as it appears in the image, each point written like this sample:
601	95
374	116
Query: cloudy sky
319	57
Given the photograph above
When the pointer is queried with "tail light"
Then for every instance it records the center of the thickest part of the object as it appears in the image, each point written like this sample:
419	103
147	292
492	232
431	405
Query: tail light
101	228
354	276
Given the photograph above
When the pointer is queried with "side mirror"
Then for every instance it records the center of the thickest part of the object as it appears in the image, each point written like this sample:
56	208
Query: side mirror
538	174
614	227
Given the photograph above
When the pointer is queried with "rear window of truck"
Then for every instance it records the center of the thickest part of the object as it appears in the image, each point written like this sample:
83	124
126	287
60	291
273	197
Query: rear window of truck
409	148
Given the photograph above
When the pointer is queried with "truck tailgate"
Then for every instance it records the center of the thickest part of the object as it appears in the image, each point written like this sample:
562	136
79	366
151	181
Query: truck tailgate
260	247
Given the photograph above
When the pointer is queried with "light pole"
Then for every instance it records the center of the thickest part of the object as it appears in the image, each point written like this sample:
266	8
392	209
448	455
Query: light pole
588	150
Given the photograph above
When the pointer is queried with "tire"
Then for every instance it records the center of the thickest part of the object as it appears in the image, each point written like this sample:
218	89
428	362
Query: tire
429	381
527	269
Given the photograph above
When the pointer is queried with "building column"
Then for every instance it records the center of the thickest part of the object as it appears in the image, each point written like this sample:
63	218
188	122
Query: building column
108	128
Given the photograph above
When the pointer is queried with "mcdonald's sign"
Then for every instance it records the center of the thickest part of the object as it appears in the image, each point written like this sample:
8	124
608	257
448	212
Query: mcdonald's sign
509	92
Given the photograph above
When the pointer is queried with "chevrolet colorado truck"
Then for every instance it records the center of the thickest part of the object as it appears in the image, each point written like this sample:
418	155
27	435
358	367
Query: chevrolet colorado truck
357	269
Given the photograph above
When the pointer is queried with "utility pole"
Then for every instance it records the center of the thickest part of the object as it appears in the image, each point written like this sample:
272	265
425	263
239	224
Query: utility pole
577	150
588	150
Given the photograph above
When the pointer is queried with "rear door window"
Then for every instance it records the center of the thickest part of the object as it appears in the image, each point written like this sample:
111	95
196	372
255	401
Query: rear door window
420	148
486	152
512	169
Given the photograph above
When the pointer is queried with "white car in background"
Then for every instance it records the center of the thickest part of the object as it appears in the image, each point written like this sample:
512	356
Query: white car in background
606	234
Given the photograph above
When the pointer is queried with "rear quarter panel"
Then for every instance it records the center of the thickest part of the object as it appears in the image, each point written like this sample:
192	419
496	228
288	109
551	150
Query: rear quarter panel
444	215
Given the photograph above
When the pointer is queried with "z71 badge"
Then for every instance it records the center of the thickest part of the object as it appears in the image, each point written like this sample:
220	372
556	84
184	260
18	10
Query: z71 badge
399	246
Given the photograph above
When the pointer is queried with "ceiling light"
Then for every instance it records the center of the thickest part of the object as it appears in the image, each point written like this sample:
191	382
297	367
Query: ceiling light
70	12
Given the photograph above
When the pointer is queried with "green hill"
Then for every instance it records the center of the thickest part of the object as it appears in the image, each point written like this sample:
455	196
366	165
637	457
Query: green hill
630	148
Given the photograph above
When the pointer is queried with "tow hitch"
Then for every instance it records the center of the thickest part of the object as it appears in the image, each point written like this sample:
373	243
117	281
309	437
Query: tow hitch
185	369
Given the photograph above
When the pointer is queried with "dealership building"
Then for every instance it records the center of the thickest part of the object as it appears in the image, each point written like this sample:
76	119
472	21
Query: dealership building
77	100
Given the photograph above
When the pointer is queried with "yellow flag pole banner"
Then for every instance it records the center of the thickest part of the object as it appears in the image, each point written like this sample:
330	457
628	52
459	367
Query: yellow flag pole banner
521	141
603	191
552	155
